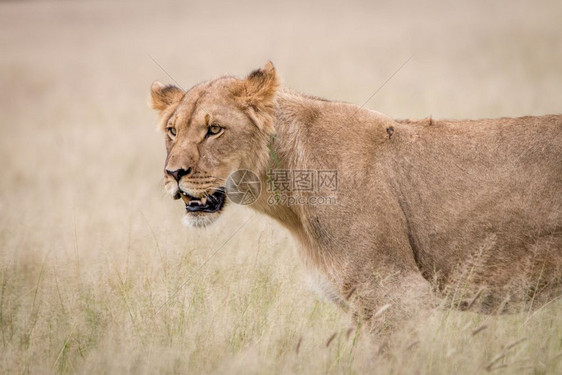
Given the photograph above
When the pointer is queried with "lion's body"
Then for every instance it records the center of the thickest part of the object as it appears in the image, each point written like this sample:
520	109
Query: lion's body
470	210
466	204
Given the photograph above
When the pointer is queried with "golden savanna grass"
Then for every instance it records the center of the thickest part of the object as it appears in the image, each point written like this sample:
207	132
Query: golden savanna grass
97	275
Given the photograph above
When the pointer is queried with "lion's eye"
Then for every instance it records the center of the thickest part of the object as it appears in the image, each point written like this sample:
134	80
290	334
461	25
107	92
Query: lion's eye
172	131
214	130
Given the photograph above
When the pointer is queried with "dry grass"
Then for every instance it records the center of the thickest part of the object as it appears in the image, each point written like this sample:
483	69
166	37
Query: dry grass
96	273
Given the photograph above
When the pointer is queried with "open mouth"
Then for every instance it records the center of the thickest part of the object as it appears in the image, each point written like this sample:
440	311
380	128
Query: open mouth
208	203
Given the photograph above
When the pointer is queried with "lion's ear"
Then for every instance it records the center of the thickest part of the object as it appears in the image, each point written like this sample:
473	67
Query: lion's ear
162	96
256	93
261	85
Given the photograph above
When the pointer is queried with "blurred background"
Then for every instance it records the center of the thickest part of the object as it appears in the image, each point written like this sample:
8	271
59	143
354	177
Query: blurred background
90	245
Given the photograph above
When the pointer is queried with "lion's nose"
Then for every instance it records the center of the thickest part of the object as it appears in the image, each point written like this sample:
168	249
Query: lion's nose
179	173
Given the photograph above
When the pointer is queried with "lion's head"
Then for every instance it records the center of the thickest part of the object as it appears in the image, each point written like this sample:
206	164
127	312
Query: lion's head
212	130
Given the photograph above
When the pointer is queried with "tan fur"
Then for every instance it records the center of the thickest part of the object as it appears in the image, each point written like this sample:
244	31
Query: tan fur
468	210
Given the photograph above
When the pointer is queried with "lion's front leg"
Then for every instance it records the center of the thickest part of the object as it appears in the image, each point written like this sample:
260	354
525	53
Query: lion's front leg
384	300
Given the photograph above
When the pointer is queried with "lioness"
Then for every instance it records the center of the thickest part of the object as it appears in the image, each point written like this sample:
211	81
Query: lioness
469	210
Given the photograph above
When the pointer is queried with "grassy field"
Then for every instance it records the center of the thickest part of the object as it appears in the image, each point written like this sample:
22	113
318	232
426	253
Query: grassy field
97	275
